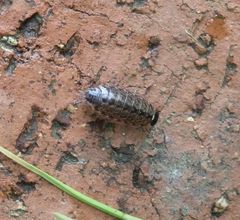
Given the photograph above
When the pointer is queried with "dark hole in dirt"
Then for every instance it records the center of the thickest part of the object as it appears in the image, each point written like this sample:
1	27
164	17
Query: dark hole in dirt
144	64
149	59
135	177
121	2
11	66
14	193
143	173
199	104
31	26
56	130
71	46
94	44
231	66
124	154
226	114
134	4
139	180
32	3
139	3
24	185
27	140
153	42
60	122
66	158
230	71
51	86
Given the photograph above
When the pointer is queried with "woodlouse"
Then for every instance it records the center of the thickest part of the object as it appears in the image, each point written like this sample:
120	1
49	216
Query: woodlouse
115	102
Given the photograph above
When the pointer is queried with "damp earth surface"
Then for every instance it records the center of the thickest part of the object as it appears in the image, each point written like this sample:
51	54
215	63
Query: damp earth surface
182	56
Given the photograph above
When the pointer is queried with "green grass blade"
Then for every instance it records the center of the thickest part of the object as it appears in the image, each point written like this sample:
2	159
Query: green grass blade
67	189
59	216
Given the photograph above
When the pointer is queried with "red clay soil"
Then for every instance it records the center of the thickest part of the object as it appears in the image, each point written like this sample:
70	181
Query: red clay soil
182	56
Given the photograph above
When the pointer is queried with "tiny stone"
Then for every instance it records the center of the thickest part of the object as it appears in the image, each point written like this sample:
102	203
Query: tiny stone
151	153
71	108
121	40
163	89
83	125
154	41
168	121
201	62
201	87
200	49
181	38
235	128
231	6
112	165
222	203
220	206
236	156
103	164
190	119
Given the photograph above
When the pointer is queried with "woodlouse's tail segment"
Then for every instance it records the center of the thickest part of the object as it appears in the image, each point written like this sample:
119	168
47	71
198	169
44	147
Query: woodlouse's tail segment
154	118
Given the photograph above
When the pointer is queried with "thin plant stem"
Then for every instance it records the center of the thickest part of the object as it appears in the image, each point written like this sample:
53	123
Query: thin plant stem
60	216
67	189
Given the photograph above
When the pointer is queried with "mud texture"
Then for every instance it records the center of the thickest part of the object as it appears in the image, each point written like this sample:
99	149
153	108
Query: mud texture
182	56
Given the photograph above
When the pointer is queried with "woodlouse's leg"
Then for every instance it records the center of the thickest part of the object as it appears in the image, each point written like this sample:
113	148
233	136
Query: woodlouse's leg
147	109
140	108
125	101
134	99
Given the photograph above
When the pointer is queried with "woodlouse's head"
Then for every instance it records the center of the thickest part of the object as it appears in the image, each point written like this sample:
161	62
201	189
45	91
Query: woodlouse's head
97	95
154	118
92	95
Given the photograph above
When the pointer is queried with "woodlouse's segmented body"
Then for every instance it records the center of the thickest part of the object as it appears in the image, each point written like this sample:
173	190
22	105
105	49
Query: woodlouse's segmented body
115	102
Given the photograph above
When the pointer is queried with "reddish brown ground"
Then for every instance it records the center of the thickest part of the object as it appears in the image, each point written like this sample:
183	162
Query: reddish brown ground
189	160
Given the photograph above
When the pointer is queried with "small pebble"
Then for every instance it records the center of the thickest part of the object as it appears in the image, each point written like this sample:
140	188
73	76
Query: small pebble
71	108
200	49
201	62
236	156
231	6
235	128
220	206
190	119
